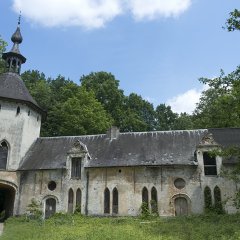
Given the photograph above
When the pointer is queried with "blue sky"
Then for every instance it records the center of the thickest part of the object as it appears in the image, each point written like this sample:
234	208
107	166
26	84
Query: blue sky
156	48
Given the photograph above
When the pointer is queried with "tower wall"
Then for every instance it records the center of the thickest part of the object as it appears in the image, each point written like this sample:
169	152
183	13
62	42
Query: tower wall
20	130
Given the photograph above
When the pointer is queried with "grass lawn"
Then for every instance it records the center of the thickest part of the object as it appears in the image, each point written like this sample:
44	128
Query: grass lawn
74	227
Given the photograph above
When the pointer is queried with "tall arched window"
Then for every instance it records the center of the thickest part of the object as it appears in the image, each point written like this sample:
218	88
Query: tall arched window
154	200
70	201
106	201
207	198
217	200
3	155
115	201
78	200
145	195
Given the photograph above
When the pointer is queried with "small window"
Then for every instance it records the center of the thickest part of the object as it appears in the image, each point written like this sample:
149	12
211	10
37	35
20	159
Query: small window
18	110
29	112
179	183
154	200
218	200
0	106
3	155
210	167
70	200
76	168
52	185
207	198
37	118
78	200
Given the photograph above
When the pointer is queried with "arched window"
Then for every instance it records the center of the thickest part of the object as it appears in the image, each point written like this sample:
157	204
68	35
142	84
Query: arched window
217	200
18	110
106	201
207	198
154	200
78	200
70	201
115	201
3	155
145	195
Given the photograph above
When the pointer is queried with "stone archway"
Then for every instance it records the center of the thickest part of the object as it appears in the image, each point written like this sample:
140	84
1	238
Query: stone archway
181	204
7	198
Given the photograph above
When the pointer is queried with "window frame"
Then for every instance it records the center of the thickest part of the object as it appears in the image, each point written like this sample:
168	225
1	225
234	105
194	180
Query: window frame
207	166
76	167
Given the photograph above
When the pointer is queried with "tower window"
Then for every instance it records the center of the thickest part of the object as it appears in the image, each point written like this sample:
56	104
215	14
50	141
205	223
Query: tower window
18	110
210	166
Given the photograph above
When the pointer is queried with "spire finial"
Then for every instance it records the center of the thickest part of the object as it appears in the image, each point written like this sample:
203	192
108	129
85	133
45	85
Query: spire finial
19	18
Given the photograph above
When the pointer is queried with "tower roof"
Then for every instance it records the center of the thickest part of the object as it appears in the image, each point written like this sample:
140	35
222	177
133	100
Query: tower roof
12	88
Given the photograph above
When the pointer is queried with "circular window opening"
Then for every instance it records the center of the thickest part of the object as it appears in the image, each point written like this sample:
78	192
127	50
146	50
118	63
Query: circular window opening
52	185
179	183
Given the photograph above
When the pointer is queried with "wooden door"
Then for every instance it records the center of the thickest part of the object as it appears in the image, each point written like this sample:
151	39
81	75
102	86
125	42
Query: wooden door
50	207
181	206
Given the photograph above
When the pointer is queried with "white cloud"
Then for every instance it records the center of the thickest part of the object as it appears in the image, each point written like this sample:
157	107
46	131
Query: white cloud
85	13
152	9
186	102
95	13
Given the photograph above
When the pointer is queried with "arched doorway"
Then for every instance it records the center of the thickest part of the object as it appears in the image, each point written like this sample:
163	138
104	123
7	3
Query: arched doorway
50	207
7	198
181	206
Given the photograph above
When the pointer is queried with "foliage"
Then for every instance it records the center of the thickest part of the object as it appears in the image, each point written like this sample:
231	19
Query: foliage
65	227
34	210
233	22
144	210
3	46
219	105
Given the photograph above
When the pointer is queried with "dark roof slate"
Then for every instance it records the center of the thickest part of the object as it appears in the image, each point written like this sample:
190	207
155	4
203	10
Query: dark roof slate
129	149
12	87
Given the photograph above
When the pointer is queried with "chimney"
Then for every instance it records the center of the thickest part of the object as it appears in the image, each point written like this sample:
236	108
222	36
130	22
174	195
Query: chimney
113	132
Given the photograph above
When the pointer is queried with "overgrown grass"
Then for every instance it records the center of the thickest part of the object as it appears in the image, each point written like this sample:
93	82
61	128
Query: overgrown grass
75	227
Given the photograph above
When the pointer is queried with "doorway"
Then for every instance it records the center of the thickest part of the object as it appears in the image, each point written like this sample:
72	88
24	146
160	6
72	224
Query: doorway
181	206
50	207
7	198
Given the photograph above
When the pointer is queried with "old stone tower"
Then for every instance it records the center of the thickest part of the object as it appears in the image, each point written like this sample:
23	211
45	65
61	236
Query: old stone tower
109	174
20	121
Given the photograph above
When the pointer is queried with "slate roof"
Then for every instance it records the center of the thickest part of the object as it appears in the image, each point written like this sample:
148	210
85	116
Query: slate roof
12	87
129	149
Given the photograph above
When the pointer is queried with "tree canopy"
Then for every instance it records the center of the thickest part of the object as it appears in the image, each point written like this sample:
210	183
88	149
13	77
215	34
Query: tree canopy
233	22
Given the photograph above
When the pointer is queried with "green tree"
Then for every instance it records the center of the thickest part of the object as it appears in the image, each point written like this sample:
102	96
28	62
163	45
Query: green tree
165	117
106	89
140	114
233	22
82	114
219	104
184	121
3	45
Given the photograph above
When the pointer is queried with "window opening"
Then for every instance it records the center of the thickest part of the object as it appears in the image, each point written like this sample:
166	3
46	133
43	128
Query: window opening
76	168
210	167
107	201
52	185
207	198
3	155
218	200
115	201
78	200
18	110
154	201
70	201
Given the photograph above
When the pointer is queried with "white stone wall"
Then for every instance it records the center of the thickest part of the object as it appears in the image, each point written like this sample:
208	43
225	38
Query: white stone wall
20	131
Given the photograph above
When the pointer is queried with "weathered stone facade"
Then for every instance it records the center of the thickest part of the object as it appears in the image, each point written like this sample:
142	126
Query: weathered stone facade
107	174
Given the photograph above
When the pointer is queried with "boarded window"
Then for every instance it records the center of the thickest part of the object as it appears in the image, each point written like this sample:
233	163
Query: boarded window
78	200
106	201
76	168
70	201
115	201
50	207
154	201
218	200
210	167
207	198
3	155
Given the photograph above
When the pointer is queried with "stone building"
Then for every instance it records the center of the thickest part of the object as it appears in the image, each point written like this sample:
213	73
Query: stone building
107	174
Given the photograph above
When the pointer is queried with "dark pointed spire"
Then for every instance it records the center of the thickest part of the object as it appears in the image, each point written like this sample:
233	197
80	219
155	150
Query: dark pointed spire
14	59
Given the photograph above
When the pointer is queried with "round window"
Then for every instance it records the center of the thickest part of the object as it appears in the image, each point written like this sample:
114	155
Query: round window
179	183
52	185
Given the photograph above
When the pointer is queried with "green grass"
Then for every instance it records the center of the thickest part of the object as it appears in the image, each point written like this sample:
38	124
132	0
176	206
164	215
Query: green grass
75	227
